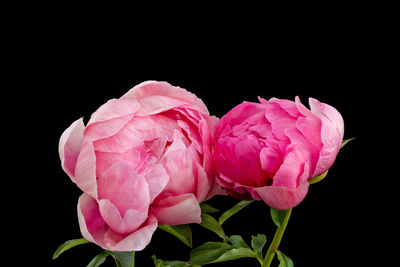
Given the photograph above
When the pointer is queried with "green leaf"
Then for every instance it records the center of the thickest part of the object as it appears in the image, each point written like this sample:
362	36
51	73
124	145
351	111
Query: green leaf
208	252
258	243
236	253
212	252
182	232
157	262
161	263
227	214
207	221
123	258
346	141
278	216
99	259
318	178
284	260
67	245
205	208
238	241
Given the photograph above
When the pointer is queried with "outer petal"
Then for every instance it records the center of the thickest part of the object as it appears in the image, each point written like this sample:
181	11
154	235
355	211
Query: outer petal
330	112
70	145
113	109
332	131
152	88
135	241
91	224
280	197
128	223
181	209
85	170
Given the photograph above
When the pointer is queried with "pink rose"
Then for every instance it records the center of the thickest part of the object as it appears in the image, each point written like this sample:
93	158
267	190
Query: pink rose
270	150
142	160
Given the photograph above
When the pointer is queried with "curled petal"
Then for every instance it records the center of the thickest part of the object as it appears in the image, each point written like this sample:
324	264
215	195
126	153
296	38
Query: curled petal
181	209
155	88
70	145
131	220
91	224
281	197
332	131
135	241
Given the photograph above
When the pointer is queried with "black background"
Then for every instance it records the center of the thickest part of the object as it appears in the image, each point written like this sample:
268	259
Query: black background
66	70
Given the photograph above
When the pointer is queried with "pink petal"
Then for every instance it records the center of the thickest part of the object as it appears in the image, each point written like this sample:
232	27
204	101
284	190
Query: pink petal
123	225
332	131
181	209
70	146
280	125
157	178
116	135
291	169
310	127
135	241
179	163
151	105
91	223
114	108
270	160
246	111
330	112
104	160
118	183
154	88
280	197
309	153
85	170
215	190
273	111
301	108
289	106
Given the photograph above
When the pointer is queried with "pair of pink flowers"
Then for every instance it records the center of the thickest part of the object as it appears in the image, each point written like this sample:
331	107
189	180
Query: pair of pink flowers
150	157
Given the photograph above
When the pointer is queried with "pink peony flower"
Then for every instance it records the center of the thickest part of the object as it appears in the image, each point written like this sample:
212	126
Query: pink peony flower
270	150
142	160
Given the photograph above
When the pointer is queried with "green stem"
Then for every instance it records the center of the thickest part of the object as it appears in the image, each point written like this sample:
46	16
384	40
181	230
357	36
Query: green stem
133	261
269	256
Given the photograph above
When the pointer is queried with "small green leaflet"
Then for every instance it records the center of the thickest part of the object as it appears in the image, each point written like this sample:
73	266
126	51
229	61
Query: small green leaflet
208	252
258	243
212	252
227	214
207	221
278	216
161	263
346	141
284	260
182	232
123	258
67	245
318	178
99	259
236	253
238	241
205	208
